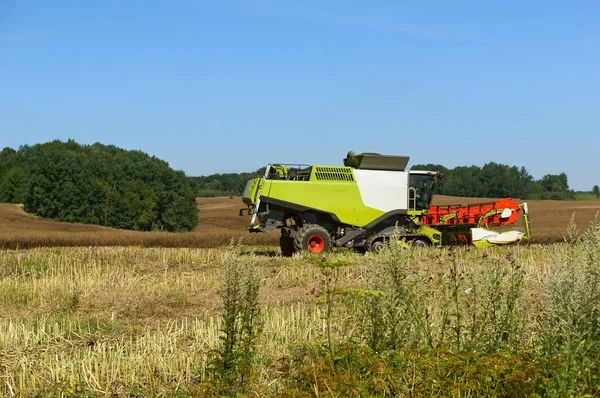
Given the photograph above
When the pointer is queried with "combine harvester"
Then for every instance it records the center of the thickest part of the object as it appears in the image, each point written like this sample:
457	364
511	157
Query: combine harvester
364	203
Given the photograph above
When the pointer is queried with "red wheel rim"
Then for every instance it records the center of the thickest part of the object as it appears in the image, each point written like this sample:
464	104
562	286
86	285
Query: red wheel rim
315	243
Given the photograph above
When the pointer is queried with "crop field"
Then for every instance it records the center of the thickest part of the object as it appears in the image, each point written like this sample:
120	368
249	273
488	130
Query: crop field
220	222
112	315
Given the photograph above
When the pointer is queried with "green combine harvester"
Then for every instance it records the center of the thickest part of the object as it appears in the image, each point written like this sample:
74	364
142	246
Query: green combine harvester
365	202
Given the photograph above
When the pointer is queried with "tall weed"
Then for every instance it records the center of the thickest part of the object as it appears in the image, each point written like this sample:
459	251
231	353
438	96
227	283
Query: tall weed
569	327
240	319
390	309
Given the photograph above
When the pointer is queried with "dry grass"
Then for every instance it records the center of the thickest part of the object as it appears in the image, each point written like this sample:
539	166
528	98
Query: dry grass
121	321
108	319
111	320
220	222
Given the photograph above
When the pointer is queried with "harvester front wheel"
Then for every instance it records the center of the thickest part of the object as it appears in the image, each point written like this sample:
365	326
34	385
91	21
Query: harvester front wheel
286	243
313	239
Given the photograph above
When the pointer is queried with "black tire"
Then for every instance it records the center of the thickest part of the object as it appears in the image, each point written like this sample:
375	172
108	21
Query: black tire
377	246
313	239
375	243
420	242
286	244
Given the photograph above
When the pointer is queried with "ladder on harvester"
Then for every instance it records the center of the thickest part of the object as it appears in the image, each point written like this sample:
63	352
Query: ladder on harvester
258	192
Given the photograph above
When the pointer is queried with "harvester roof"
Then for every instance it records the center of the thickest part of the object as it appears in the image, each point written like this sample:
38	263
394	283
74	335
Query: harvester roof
376	161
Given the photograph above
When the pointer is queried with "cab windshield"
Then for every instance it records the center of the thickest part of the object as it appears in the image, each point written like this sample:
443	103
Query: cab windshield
420	195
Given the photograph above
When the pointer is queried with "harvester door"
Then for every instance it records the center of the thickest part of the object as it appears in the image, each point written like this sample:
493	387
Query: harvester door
420	191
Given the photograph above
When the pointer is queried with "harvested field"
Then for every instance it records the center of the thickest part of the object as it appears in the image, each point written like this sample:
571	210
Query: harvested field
220	222
130	321
141	321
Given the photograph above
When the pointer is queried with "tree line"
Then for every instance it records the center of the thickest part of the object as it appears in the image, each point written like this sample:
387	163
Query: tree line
228	184
493	180
98	184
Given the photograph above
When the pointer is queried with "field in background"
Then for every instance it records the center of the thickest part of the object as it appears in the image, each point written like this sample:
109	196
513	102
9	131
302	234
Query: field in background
586	196
220	222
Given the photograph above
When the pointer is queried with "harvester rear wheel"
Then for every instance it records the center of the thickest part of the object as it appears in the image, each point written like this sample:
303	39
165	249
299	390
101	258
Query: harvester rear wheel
313	239
286	244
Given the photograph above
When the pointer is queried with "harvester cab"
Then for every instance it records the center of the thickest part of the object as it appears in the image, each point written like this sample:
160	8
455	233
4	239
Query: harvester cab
360	205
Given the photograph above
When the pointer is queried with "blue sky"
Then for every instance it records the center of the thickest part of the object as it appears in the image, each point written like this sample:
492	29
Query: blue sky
227	86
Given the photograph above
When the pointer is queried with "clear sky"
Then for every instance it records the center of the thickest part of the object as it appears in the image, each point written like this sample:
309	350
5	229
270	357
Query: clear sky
230	85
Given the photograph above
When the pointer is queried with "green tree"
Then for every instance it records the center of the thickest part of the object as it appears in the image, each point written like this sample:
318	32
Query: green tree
99	184
13	177
465	181
230	184
532	190
596	190
556	187
441	186
13	185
